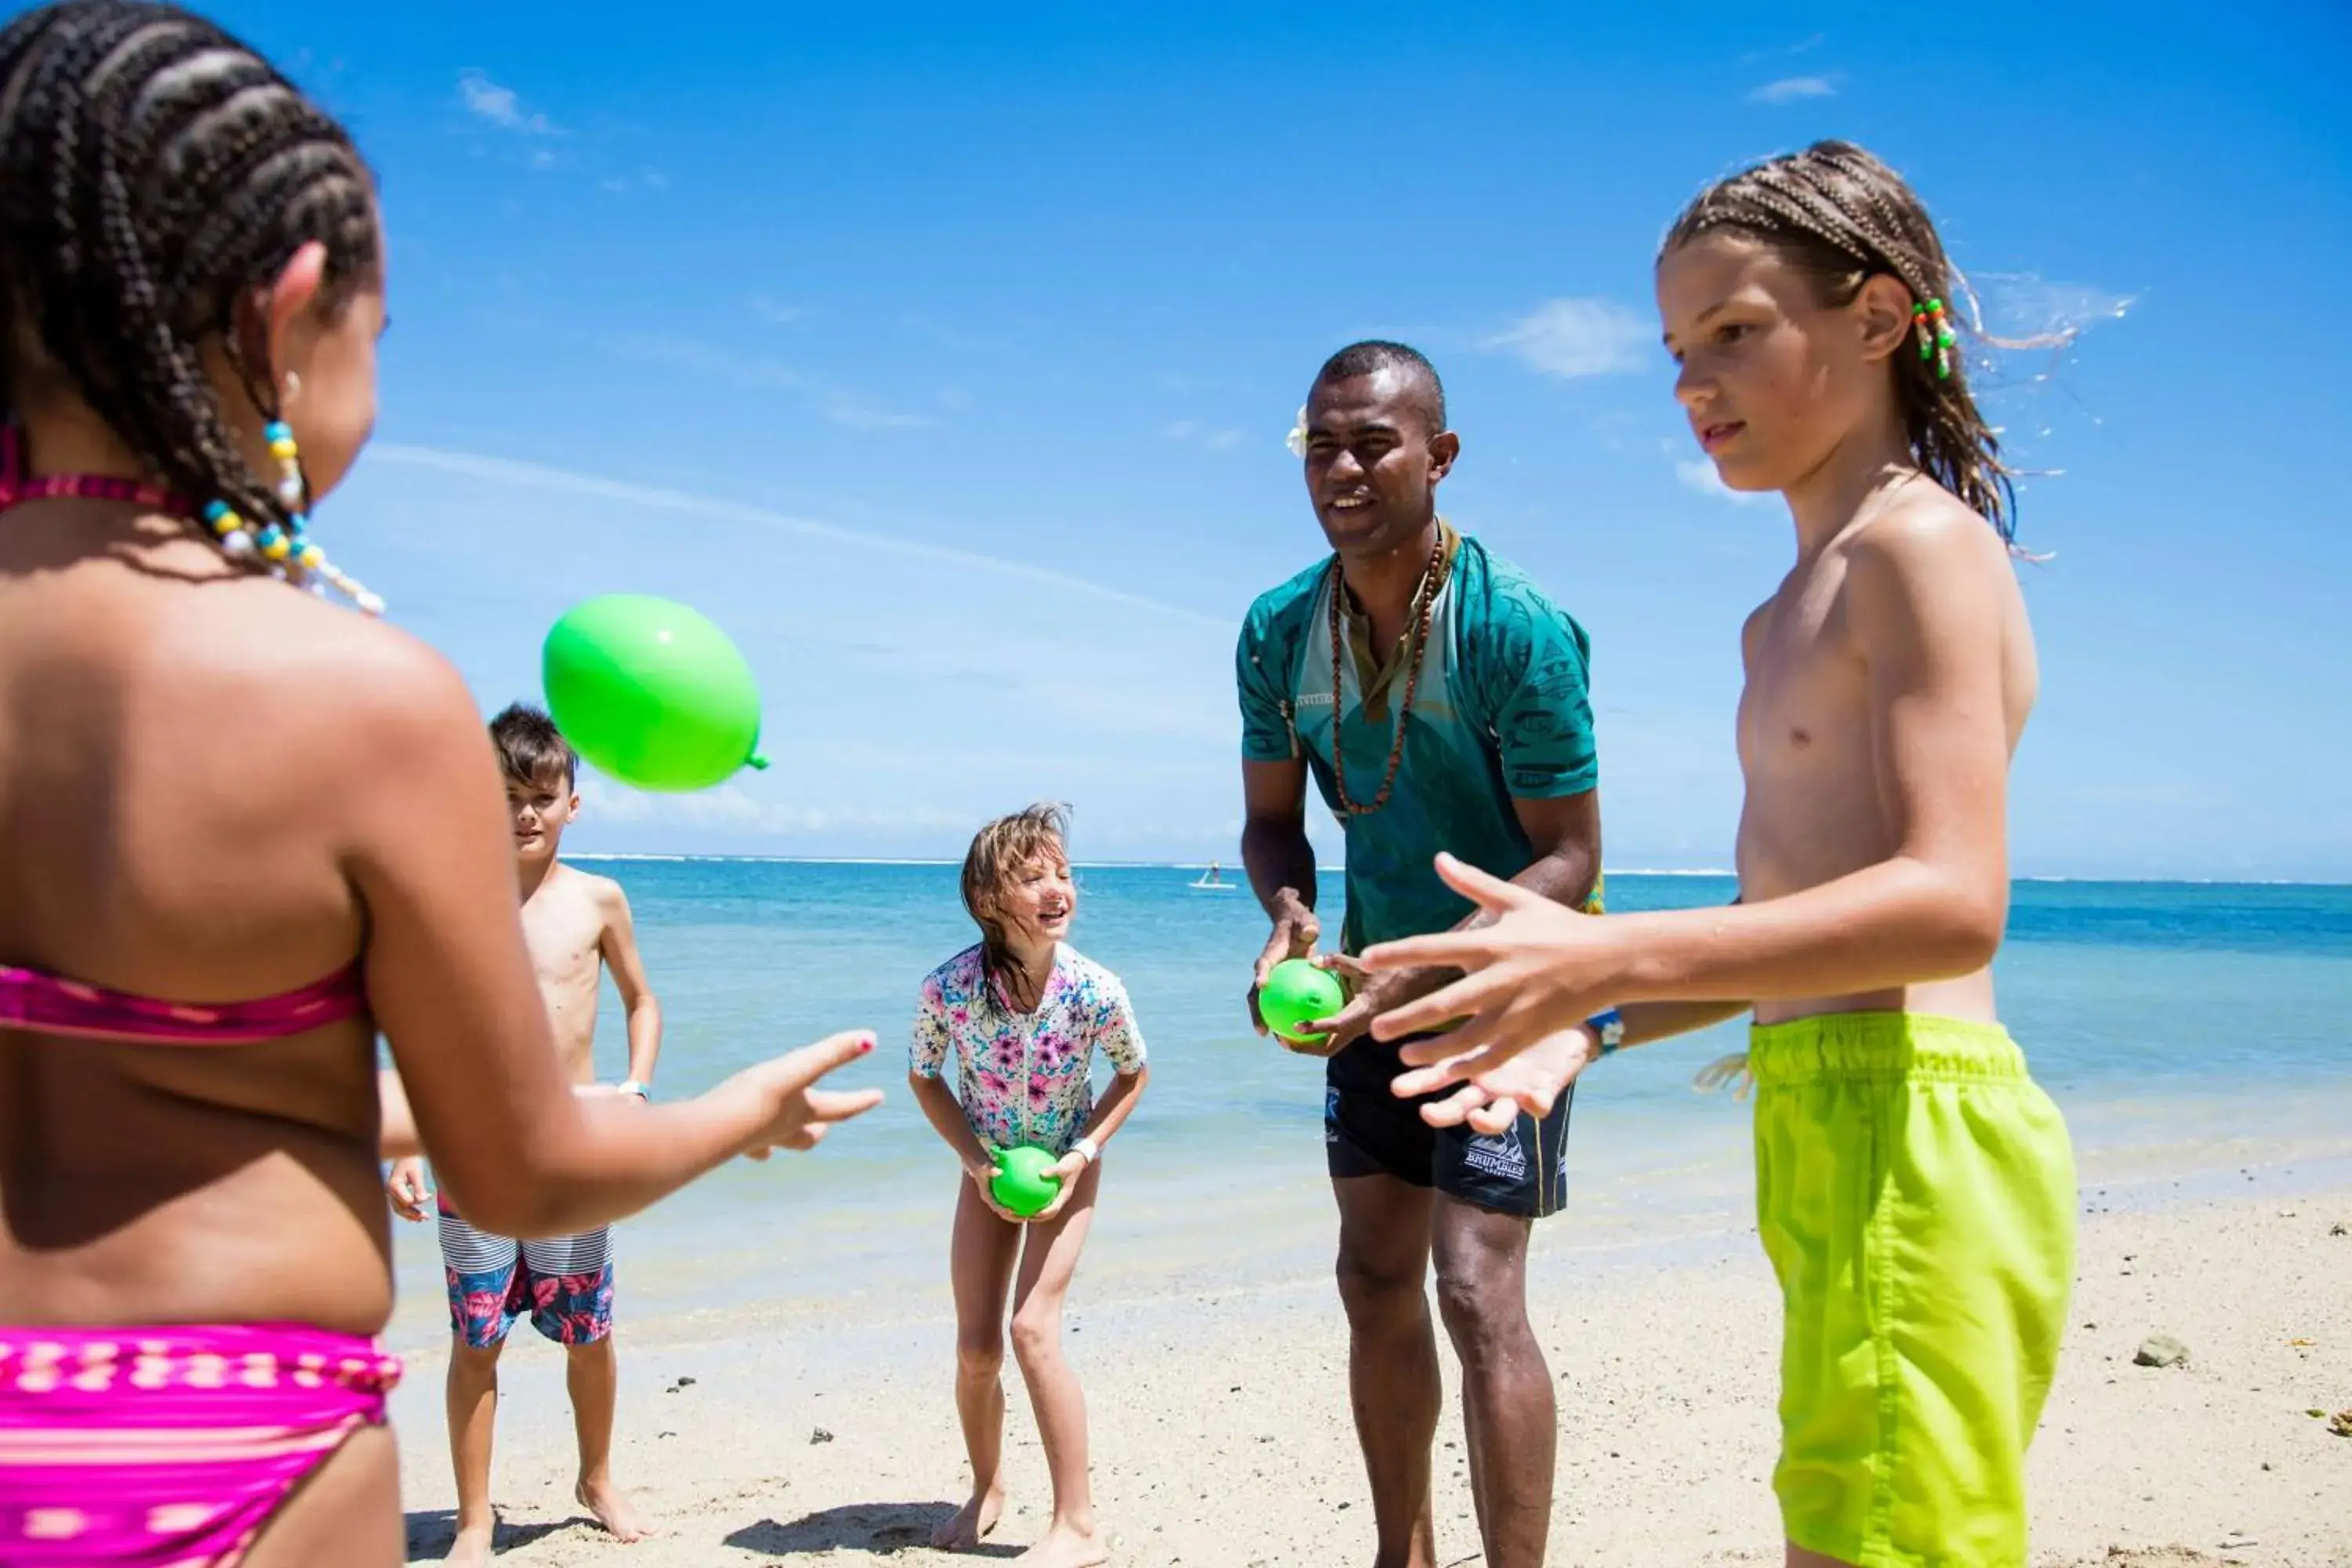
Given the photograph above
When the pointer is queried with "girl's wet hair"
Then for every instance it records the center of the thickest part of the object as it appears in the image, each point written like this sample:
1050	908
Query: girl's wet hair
154	172
1840	216
999	853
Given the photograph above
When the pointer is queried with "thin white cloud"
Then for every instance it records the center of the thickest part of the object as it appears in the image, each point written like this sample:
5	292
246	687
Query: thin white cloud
1698	473
1804	46
852	412
537	476
2041	313
750	371
629	185
836	405
1795	89
1194	433
501	106
1572	338
732	806
950	337
775	312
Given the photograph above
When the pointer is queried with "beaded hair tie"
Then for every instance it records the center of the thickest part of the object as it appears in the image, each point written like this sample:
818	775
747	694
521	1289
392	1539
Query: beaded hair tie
291	555
1935	336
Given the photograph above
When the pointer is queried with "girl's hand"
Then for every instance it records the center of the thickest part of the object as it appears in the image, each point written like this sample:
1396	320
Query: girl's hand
1492	1097
797	1113
1066	1171
983	1176
1538	970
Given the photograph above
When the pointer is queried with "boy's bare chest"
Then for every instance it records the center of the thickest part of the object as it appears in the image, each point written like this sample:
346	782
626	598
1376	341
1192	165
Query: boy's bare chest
564	939
1803	709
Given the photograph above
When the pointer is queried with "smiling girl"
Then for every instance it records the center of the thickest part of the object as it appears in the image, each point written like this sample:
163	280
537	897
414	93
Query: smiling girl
1021	1013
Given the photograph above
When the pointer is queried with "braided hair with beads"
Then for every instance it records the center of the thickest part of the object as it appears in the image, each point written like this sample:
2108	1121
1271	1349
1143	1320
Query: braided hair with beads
1841	216
154	172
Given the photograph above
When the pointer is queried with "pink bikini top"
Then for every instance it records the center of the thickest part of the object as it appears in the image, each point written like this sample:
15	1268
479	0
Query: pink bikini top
32	1000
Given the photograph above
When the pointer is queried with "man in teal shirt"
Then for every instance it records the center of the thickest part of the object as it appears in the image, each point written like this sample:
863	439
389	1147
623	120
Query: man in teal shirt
1438	700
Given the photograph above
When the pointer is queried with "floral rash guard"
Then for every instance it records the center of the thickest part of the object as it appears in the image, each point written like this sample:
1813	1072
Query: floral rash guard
1022	1077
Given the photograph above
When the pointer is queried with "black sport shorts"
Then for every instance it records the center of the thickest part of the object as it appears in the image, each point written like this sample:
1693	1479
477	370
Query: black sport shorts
1369	1132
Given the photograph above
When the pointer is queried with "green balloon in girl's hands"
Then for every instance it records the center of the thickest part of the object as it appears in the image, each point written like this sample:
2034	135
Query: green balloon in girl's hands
652	693
1297	993
1024	1180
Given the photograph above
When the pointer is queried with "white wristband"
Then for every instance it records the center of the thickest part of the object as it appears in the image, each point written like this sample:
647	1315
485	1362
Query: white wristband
633	1087
1087	1149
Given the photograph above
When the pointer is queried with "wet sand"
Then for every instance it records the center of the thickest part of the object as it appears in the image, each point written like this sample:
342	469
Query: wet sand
1221	1431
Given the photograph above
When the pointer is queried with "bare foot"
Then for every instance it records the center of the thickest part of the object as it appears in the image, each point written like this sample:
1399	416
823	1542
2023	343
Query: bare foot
472	1547
1067	1546
970	1523
612	1510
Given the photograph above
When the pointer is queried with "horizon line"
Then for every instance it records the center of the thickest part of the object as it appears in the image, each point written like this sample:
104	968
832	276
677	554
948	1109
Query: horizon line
1334	871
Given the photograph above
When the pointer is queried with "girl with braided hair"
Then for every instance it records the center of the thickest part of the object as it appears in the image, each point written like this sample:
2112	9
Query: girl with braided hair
1914	1188
214	790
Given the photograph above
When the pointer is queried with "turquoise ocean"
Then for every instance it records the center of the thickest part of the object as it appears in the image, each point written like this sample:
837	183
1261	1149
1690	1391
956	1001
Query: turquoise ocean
2198	1037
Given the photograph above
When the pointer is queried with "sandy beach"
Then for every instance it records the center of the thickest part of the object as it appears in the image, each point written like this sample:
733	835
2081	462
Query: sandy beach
1221	1434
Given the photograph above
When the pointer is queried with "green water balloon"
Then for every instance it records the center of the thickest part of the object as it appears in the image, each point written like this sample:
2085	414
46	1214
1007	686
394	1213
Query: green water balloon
1024	1182
652	693
1297	993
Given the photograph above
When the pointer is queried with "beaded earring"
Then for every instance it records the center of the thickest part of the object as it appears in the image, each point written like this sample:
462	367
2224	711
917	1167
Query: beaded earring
288	549
1935	336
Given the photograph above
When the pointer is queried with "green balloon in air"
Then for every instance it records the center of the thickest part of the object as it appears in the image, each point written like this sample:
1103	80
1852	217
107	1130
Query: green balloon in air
1297	993
652	693
1023	1181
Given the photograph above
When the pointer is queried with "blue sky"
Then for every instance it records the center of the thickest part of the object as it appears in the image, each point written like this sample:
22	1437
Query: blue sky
944	355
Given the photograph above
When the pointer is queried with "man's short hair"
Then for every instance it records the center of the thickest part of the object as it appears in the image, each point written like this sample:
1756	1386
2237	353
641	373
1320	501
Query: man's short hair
531	747
1376	355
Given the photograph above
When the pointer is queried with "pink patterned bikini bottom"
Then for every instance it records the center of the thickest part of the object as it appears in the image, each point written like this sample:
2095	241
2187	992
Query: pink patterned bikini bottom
169	1448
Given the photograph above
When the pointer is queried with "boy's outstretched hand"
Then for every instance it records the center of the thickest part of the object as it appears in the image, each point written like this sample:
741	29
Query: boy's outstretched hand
1537	971
797	1113
1369	995
408	1190
1492	1097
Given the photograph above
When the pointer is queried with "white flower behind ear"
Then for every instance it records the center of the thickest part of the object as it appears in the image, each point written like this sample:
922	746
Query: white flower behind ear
1296	439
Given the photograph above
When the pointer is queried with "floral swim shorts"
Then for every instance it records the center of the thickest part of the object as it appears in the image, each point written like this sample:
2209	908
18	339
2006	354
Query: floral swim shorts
564	1283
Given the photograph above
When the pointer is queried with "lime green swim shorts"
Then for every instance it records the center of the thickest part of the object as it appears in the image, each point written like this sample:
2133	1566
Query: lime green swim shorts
1915	1193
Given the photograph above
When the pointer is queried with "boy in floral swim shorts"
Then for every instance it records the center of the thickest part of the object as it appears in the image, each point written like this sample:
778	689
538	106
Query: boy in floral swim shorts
565	1284
575	925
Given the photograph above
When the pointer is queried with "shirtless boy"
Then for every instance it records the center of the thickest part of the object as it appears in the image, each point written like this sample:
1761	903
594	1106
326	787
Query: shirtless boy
575	925
1914	1188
